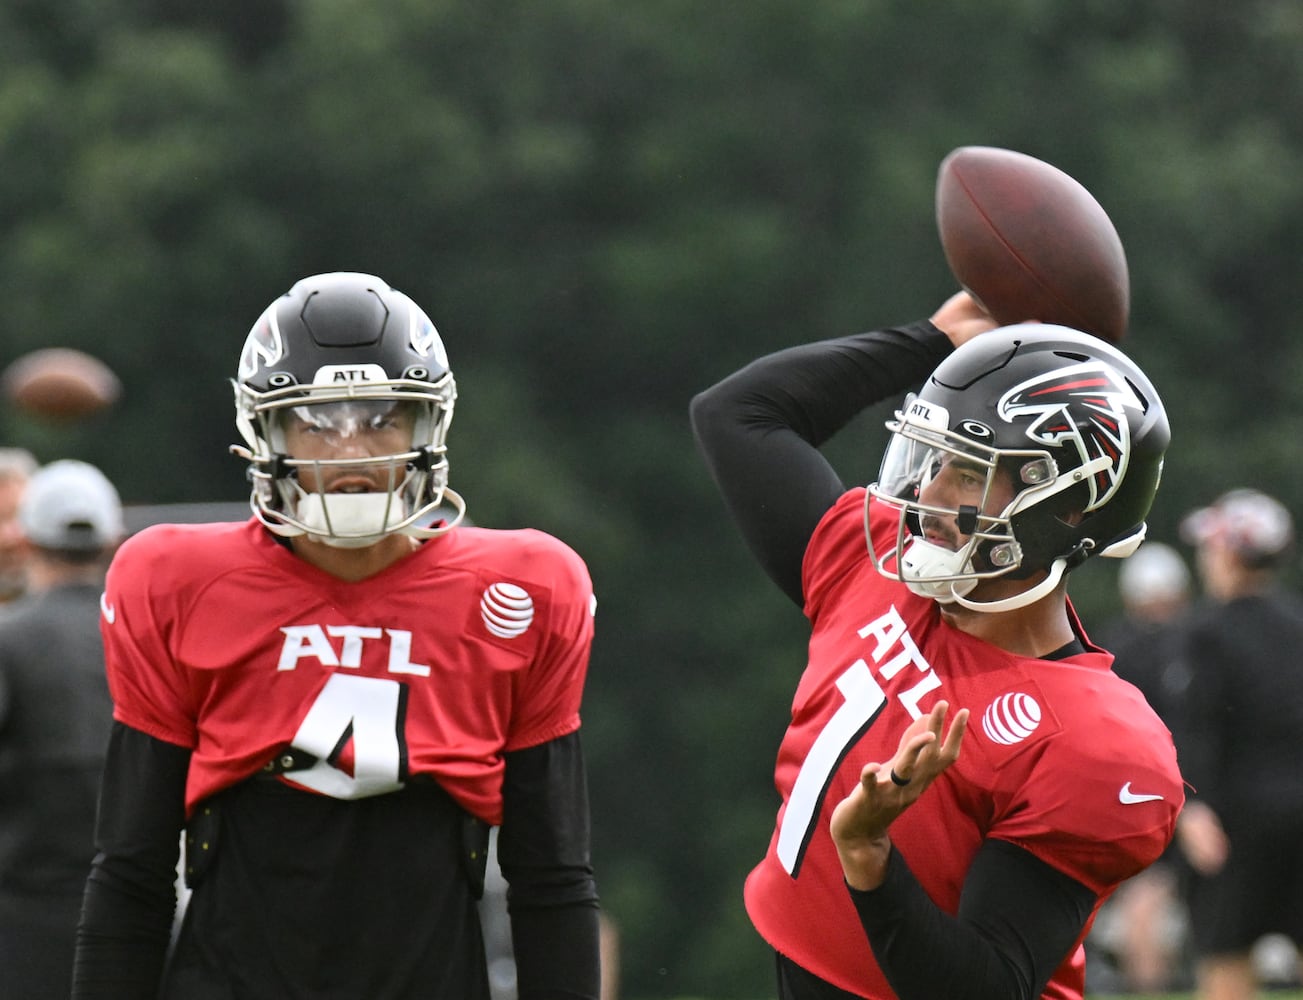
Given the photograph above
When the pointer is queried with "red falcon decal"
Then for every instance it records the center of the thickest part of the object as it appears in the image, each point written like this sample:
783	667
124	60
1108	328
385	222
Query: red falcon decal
263	347
1086	407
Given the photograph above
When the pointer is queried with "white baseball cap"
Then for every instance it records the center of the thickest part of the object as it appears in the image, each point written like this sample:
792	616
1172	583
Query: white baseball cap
1155	573
71	505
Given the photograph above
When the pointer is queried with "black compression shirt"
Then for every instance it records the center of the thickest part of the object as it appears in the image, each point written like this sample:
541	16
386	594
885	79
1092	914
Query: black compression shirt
386	878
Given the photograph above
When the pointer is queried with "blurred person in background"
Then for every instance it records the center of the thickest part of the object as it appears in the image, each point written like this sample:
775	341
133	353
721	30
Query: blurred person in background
1144	926
1156	589
17	465
55	715
1237	725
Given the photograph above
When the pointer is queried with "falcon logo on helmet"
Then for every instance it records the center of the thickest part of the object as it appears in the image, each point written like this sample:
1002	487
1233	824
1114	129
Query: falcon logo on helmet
1083	407
425	339
263	347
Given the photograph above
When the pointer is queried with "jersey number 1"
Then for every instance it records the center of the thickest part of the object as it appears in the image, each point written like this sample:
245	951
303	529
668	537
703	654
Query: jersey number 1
864	700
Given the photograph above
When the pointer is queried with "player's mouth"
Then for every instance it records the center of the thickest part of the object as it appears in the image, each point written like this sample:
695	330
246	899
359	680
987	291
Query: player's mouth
936	531
355	484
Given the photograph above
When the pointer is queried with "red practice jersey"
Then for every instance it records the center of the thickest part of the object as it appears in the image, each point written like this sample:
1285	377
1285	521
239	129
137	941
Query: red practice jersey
1062	758
218	639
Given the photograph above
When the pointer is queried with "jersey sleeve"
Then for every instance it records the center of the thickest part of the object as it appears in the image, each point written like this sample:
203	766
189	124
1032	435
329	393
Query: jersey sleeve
139	615
550	691
1098	800
838	547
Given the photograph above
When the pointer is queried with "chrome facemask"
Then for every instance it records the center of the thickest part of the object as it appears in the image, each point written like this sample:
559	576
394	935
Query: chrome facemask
920	445
398	491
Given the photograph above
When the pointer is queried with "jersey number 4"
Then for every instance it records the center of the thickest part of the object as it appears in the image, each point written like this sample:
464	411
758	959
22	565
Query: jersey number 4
366	713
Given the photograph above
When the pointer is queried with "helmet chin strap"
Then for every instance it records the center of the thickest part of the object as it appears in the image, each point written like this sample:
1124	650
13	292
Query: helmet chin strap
361	518
358	517
454	499
923	561
1029	596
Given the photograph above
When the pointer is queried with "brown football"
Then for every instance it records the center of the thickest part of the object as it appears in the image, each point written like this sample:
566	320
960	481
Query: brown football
60	383
1030	242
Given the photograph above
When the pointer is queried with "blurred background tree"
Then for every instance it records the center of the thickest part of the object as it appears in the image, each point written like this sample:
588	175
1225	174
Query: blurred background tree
606	207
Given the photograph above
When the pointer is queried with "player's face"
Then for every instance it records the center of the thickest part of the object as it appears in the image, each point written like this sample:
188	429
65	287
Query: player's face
353	430
957	483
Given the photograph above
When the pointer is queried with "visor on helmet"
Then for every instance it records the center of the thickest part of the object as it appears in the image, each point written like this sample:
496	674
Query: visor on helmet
922	448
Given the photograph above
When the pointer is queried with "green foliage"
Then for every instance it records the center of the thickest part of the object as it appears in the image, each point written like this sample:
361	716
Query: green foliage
605	208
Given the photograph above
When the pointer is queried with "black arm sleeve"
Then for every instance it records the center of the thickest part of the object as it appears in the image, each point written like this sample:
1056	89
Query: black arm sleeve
545	854
760	429
1018	919
130	897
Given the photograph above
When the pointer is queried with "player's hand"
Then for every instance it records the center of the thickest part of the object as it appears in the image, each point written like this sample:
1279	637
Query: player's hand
860	821
1201	838
961	318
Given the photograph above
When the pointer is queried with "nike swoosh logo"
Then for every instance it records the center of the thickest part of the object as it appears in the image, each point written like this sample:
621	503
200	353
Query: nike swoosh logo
1128	797
110	612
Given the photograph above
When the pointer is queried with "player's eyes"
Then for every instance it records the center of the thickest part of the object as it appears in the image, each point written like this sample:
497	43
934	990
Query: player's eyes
960	471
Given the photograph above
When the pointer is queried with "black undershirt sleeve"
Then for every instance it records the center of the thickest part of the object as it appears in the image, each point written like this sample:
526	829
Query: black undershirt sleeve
760	429
1018	919
130	897
545	854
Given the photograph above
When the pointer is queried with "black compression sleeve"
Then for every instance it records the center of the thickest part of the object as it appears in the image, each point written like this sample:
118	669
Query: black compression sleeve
1018	919
130	897
545	854
760	429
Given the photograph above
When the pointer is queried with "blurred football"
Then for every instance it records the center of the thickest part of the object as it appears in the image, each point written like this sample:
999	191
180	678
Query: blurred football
59	383
1030	242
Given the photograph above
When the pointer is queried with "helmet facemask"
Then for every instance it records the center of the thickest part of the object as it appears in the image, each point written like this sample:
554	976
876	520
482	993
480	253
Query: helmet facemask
981	537
347	465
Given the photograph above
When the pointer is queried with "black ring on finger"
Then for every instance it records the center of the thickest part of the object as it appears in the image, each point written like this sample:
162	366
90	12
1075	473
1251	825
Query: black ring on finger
898	780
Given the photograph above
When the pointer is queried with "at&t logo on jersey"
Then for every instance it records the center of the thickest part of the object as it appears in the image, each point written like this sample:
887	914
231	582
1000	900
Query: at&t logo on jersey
1011	718
507	610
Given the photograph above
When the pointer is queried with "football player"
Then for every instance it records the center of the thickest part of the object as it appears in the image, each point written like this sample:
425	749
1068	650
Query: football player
337	698
963	778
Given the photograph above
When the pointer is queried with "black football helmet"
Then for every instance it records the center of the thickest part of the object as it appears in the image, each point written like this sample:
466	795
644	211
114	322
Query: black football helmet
1073	423
338	352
